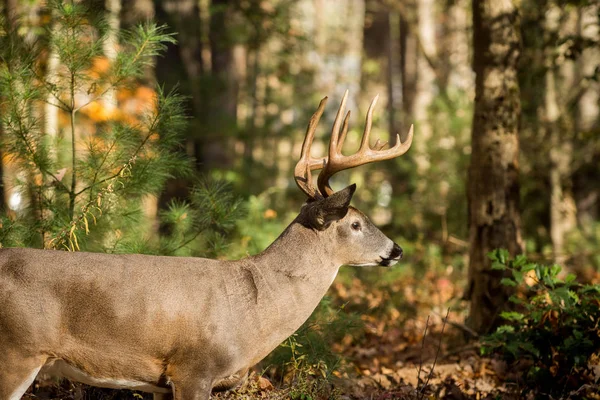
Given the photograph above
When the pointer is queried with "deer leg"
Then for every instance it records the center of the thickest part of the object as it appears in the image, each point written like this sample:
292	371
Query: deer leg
197	390
162	396
17	374
231	382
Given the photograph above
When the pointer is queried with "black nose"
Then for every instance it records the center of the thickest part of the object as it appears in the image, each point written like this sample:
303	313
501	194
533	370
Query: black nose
396	252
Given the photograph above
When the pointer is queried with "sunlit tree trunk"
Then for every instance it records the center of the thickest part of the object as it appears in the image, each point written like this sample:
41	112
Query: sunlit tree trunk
339	45
409	56
558	127
381	46
587	120
493	186
50	108
111	47
588	26
135	12
425	85
457	45
395	98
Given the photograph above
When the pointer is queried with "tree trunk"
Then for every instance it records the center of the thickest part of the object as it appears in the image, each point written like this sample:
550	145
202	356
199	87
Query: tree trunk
182	66
339	48
588	121
134	12
493	186
558	125
456	43
408	61
394	83
222	101
425	85
111	48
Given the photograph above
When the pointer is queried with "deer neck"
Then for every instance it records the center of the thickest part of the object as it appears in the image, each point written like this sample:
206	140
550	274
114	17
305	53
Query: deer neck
291	277
302	255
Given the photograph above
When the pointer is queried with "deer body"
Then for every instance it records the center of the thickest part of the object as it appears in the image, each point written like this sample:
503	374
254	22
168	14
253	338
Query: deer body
90	309
175	325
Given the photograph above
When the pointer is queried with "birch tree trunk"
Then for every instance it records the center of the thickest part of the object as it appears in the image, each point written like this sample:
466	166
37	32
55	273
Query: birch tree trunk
493	186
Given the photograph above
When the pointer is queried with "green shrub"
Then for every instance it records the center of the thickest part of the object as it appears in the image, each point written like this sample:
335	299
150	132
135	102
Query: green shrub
555	324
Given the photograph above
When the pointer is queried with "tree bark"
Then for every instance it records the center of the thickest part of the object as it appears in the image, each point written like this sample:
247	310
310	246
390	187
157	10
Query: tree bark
587	121
182	66
493	185
339	48
394	84
558	127
425	85
111	47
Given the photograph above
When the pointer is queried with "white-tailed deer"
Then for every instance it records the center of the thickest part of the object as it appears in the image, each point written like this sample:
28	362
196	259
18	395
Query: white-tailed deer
178	325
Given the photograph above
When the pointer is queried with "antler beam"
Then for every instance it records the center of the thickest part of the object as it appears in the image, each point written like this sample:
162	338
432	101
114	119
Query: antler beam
336	161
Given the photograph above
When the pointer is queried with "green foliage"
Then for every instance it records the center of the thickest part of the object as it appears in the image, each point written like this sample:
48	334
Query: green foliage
555	324
76	186
255	240
211	214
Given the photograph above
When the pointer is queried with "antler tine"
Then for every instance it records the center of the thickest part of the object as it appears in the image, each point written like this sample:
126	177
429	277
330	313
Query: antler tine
340	145
400	147
365	155
335	130
364	144
306	164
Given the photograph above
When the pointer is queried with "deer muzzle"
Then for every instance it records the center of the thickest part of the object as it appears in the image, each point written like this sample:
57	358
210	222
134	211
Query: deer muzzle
394	256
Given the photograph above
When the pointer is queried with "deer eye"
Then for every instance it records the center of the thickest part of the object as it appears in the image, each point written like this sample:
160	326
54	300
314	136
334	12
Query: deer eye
356	226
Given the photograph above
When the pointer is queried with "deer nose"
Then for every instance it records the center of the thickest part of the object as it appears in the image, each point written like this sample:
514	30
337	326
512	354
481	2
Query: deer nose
396	252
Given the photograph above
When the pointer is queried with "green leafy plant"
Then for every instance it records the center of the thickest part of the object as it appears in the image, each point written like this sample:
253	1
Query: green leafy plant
555	324
84	181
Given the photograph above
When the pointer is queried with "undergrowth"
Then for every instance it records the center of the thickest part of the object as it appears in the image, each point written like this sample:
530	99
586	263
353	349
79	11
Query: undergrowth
554	329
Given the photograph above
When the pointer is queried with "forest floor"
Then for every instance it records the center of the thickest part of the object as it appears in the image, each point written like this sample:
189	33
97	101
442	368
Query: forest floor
411	343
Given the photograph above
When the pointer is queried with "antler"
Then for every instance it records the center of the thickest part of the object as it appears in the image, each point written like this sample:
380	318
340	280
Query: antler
365	155
336	161
306	164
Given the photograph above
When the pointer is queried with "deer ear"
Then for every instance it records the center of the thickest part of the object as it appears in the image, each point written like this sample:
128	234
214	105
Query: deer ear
333	208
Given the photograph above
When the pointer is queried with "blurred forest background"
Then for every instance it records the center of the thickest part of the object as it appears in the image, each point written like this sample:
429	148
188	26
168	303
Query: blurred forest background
173	126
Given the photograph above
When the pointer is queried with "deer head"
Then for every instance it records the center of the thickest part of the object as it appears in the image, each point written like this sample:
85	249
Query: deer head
362	243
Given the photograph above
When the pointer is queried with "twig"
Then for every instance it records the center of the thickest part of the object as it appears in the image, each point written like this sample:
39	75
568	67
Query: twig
437	353
151	130
457	241
182	245
582	389
421	354
464	328
470	346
